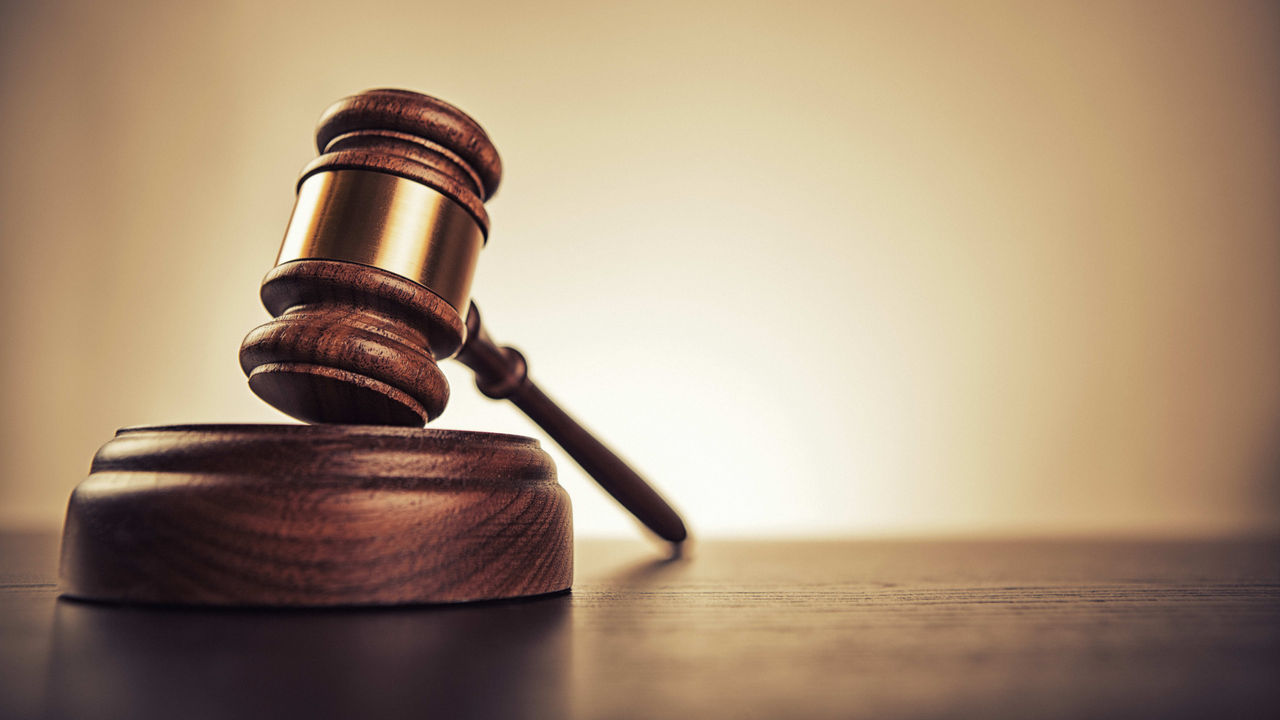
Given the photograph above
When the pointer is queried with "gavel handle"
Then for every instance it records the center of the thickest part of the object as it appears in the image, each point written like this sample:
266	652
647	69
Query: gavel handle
502	373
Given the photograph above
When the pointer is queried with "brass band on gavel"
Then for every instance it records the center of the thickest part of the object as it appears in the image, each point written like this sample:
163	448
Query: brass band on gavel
387	222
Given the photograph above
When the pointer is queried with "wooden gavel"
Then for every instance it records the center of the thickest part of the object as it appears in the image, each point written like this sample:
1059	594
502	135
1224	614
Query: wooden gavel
372	286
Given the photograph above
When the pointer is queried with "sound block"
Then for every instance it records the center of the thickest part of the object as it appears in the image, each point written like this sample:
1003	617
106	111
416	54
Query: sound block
316	515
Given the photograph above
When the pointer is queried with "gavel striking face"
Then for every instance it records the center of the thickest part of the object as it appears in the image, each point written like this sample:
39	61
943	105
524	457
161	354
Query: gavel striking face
372	285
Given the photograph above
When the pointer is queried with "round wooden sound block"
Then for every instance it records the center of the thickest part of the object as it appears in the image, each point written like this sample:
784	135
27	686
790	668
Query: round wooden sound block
308	515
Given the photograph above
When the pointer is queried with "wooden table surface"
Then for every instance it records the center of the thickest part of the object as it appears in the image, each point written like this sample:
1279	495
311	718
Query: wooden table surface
884	629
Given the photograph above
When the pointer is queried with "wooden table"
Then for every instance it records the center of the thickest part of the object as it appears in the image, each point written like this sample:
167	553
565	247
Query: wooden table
743	630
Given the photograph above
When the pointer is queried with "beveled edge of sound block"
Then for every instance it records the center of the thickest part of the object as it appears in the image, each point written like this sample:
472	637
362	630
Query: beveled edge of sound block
316	515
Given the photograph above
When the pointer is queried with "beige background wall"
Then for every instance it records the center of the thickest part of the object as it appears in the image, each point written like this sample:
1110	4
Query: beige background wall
817	268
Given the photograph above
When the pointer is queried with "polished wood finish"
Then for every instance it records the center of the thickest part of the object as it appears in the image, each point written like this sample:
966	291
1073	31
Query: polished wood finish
348	512
352	343
503	374
292	515
804	630
355	344
414	136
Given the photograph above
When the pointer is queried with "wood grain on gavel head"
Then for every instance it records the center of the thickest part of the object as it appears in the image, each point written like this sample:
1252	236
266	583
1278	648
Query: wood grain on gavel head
373	281
373	278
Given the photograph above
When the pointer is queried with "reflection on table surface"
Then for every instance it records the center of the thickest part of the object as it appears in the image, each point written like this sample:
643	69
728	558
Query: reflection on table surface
490	661
744	629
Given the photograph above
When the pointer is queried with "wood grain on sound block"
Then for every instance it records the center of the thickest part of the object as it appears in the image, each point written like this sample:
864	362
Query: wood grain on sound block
295	515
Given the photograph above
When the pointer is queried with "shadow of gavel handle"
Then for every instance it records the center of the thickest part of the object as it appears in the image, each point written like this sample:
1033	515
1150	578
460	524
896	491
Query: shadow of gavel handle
501	373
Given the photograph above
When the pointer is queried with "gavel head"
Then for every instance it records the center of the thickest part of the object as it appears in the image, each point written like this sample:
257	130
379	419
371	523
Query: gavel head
372	283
